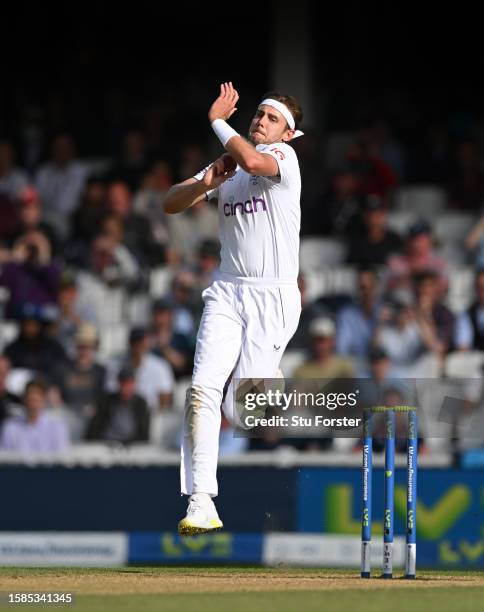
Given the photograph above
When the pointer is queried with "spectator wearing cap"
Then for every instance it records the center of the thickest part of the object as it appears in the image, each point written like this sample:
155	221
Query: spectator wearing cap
72	313
30	276
33	349
36	431
356	323
29	218
154	376
61	182
12	178
122	416
176	348
418	256
80	383
323	362
374	243
469	331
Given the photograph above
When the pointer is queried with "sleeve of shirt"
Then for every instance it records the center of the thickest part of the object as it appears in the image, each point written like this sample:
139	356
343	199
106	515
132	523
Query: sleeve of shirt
286	159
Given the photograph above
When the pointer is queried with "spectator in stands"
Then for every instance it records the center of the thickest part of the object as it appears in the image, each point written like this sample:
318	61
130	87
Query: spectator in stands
30	276
436	322
474	243
469	331
72	313
184	301
133	162
356	322
109	265
37	431
374	243
176	348
309	312
323	363
137	235
398	333
86	218
148	202
12	178
154	376
374	176
200	222
340	207
418	257
390	151
192	158
61	181
122	416
6	398
29	219
115	227
206	264
34	349
80	383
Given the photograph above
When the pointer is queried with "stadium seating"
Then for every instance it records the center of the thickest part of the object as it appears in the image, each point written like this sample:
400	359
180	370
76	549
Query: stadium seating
423	200
316	252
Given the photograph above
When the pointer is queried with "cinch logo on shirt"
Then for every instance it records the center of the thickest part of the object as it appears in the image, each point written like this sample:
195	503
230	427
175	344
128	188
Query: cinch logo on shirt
248	207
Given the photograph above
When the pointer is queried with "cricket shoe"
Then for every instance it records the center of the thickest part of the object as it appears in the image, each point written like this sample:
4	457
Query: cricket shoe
201	516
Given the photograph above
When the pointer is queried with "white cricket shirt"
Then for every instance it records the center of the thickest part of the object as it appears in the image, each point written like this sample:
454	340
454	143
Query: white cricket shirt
260	218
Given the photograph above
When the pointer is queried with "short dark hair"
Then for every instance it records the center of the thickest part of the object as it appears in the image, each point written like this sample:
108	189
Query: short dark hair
291	103
36	383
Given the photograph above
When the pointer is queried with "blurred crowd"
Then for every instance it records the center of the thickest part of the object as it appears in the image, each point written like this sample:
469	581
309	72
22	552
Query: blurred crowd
101	291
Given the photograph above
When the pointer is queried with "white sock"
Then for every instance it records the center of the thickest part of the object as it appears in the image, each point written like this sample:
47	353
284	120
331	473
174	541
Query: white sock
202	497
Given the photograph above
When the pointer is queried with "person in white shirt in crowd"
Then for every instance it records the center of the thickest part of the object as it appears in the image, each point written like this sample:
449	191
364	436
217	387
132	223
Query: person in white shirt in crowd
469	328
61	182
37	431
154	376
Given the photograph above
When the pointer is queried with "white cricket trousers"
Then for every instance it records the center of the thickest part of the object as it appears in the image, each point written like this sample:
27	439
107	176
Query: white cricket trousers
245	327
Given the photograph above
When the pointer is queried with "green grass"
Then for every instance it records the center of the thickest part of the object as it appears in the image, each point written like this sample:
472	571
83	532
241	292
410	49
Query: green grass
378	596
398	600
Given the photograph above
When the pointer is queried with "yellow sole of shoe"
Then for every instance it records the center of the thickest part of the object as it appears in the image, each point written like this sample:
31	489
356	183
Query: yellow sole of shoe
185	529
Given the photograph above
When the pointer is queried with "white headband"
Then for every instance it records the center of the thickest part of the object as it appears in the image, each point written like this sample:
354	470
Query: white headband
285	112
